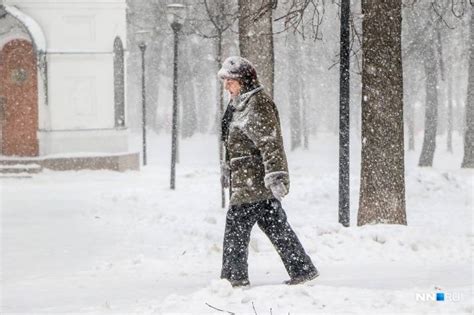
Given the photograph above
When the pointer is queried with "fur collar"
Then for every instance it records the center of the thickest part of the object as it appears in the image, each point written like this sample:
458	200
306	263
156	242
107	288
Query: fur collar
241	101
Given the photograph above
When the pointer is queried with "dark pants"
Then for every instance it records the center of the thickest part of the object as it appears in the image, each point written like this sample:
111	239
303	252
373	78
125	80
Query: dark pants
271	218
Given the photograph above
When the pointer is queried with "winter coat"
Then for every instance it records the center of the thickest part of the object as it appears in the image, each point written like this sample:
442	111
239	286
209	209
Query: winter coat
254	148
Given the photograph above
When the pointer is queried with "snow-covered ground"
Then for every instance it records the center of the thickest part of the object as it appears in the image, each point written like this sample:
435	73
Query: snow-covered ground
107	242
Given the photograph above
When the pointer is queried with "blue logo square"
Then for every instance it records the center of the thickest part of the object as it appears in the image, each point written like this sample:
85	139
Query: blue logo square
440	296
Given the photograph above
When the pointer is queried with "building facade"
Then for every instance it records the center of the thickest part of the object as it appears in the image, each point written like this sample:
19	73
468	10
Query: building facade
62	80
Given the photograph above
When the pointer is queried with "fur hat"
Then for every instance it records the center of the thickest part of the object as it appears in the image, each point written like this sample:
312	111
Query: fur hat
238	68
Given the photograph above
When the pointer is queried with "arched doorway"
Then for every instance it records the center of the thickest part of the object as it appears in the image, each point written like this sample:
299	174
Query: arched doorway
18	99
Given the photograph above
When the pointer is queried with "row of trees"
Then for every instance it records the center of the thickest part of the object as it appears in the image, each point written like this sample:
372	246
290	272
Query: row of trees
295	41
315	62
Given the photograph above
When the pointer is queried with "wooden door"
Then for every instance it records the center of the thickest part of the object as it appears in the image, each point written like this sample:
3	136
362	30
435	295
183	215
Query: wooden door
18	99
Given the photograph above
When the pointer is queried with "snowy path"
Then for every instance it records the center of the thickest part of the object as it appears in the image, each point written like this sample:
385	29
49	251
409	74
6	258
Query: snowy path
105	242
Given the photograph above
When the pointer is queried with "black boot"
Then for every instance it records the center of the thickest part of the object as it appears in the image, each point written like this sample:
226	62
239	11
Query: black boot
302	279
239	283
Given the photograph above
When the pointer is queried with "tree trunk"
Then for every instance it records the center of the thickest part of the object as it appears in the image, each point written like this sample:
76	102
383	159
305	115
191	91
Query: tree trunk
220	111
153	83
203	88
219	87
431	107
411	127
409	110
304	114
256	38
410	119
382	189
441	84
450	115
468	160
187	95
294	92
188	113
311	120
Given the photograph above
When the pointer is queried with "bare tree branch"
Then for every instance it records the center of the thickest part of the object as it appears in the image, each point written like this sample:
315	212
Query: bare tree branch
453	8
254	310
440	15
301	14
220	18
218	309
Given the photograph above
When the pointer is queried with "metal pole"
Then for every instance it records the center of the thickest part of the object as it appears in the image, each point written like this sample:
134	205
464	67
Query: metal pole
174	129
344	117
143	48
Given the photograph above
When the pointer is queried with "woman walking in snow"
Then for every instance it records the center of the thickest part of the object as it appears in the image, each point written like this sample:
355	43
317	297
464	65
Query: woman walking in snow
256	172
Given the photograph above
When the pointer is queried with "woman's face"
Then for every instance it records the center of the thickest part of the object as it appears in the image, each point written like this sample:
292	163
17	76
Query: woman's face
233	86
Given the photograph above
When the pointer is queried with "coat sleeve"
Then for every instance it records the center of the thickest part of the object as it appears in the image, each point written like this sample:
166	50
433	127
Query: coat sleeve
263	129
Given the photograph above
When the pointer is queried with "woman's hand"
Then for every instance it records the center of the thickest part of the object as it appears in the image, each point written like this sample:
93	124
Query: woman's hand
279	190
